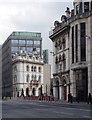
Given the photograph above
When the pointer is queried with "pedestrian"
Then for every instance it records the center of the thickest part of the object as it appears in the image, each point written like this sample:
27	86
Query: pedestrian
89	101
69	96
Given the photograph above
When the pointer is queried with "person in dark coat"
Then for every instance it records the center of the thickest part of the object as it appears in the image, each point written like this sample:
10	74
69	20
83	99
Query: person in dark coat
69	97
89	99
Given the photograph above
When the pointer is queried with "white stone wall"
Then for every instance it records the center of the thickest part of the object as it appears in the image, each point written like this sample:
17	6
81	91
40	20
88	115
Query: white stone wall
22	73
46	78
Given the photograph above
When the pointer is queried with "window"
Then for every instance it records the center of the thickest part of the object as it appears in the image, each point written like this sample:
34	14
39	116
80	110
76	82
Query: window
14	41
64	43
64	64
56	60
14	49
32	68
27	68
30	42
15	68
59	58
39	78
39	69
35	69
60	67
77	9
22	48
21	41
38	50
15	78
32	77
73	44
83	41
76	42
27	79
86	6
29	49
36	42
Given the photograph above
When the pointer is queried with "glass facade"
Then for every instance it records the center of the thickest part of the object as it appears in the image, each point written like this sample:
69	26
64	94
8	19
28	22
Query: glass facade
32	34
15	41
26	41
30	42
22	42
36	42
15	49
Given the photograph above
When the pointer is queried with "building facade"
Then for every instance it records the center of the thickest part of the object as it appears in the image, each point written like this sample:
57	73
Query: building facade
17	41
72	45
27	74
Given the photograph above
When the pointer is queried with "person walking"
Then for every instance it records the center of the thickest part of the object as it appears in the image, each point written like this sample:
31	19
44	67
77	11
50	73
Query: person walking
89	101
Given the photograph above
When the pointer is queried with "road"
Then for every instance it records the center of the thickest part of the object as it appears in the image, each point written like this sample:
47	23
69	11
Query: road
38	109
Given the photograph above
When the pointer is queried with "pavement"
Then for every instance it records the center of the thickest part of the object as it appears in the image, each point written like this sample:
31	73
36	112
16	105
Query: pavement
44	109
64	103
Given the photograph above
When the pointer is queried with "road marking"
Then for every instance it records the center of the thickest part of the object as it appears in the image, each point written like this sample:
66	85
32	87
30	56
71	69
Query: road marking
77	109
63	113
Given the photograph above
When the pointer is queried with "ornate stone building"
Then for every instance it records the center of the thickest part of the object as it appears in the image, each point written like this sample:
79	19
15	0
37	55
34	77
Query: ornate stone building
72	45
28	74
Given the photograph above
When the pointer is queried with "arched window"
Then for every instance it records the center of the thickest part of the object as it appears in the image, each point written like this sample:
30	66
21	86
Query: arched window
39	77
15	78
15	68
60	58
64	43
32	68
56	59
27	68
32	77
39	69
35	69
64	64
27	79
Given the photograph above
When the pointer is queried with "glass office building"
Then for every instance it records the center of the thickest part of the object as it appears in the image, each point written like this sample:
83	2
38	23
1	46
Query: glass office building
17	41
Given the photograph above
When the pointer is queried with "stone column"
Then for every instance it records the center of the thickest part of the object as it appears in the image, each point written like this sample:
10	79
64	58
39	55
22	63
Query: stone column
60	92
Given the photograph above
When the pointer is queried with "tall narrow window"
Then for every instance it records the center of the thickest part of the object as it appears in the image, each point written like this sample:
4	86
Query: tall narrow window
39	69
76	42
73	44
32	68
27	79
35	69
83	41
91	5
86	6
27	68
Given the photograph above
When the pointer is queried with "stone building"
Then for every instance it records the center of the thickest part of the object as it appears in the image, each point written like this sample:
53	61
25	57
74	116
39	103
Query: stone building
28	74
72	46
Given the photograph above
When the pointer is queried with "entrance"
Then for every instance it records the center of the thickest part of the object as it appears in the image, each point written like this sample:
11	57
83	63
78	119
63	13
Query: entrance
65	92
57	89
64	89
82	84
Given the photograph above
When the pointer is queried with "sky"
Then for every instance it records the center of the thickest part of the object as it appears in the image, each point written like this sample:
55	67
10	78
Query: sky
31	16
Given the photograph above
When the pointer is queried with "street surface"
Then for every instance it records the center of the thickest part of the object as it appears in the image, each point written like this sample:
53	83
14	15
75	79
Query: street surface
39	109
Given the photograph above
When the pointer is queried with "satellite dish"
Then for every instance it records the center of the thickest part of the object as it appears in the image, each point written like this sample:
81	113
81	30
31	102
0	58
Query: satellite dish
56	23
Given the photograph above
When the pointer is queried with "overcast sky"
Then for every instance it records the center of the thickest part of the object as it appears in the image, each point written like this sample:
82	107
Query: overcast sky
31	16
